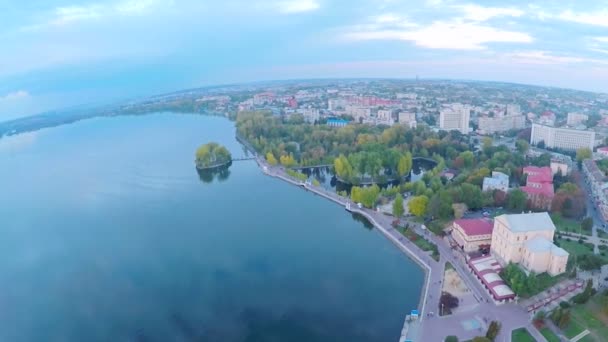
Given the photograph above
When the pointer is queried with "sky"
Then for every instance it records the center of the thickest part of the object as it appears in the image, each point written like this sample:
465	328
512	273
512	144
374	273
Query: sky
64	53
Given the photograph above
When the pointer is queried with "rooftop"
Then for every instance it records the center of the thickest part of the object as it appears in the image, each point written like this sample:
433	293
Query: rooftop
540	244
533	188
539	174
473	227
527	222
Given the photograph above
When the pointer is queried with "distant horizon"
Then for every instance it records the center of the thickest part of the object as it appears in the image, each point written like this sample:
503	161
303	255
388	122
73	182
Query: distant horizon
261	83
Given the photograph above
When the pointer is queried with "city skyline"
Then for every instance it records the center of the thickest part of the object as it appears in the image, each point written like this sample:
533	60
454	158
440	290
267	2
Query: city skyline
64	53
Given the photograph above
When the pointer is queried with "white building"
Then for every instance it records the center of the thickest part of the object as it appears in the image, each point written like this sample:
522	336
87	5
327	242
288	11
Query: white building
385	117
455	117
527	240
311	115
336	104
559	166
576	119
489	125
560	137
407	118
358	112
498	181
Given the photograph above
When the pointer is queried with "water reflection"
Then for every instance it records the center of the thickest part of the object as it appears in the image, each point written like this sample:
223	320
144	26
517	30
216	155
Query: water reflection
220	174
360	218
326	177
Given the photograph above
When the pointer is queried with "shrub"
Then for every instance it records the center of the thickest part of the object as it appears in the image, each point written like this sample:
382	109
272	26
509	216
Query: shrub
493	330
451	338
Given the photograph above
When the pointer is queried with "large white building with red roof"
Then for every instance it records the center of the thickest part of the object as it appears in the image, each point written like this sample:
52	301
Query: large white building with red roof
471	235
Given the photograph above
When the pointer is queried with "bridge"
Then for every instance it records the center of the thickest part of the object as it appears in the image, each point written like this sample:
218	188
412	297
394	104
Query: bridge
243	158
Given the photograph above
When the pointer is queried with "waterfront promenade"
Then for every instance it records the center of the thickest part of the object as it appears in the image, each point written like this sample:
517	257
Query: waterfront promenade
466	323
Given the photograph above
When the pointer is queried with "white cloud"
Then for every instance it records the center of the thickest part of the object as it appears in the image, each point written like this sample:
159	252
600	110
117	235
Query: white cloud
479	13
544	57
601	39
16	95
599	18
455	35
297	6
600	50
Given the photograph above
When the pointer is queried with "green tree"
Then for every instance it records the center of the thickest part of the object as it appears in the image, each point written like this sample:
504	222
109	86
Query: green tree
271	159
343	168
493	330
471	195
451	338
398	209
212	154
417	205
468	158
366	196
522	146
287	160
405	164
481	339
587	224
516	200
582	154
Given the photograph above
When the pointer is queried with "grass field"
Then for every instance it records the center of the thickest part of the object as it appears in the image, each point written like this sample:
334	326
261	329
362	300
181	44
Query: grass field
549	335
575	248
568	225
521	335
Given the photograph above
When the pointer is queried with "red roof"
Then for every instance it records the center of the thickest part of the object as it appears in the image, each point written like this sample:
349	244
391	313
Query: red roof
603	149
538	174
532	188
473	227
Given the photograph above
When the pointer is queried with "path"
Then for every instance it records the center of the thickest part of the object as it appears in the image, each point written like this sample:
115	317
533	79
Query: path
431	326
579	336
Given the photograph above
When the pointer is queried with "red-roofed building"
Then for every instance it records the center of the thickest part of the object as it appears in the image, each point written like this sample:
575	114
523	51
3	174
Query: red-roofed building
472	234
539	186
603	151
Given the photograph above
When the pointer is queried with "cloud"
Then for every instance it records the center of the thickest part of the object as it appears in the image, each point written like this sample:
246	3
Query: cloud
596	18
545	57
65	15
297	6
601	39
16	95
479	13
456	35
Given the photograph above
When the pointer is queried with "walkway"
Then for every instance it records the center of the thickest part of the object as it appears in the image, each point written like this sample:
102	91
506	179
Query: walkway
467	323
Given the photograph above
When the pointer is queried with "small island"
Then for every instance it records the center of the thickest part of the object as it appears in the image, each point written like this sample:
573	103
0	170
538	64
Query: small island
211	156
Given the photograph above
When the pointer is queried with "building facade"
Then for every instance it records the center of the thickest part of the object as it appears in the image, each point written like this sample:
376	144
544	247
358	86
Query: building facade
576	119
527	240
500	123
455	117
539	187
563	138
471	235
498	181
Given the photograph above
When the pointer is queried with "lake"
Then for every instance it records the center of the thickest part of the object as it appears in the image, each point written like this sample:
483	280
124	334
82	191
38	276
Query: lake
109	234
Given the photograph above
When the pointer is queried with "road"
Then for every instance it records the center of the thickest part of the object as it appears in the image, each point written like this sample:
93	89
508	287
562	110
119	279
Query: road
432	327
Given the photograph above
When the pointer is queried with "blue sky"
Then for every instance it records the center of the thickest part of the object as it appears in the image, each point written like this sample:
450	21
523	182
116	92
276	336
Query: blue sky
70	52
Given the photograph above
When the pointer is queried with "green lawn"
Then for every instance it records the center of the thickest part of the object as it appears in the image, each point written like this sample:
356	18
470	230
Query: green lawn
549	335
545	281
573	329
521	335
575	248
423	244
588	316
568	225
602	234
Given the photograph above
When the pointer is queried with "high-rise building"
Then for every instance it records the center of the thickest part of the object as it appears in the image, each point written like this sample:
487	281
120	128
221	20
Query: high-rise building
455	117
564	138
490	125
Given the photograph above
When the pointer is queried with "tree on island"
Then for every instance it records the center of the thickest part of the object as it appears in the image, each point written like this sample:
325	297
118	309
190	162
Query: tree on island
211	155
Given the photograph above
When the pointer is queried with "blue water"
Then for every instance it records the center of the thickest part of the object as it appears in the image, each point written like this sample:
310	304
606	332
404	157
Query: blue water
108	234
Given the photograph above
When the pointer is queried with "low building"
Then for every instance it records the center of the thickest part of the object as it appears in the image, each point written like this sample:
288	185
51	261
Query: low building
598	182
337	122
602	152
539	187
471	235
487	270
527	240
559	166
575	119
498	181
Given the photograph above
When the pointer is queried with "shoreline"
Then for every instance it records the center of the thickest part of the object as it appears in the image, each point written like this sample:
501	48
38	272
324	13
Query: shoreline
354	209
